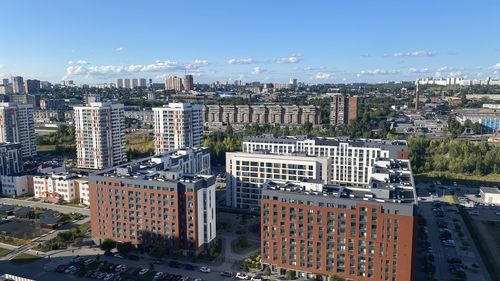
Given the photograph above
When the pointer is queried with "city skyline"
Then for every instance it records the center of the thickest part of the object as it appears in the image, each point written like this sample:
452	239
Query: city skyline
325	43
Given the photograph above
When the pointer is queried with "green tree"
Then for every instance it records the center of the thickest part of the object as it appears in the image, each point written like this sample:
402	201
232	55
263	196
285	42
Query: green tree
107	244
158	252
124	248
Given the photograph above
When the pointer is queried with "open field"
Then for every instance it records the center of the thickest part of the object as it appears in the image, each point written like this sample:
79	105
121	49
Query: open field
3	251
491	178
139	145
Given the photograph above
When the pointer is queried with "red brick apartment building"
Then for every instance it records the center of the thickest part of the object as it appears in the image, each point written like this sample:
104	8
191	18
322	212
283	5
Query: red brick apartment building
146	205
356	233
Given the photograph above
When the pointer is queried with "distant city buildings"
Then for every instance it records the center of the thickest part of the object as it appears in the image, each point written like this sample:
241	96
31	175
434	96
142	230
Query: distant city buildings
131	83
343	109
488	117
173	83
188	82
162	206
289	115
17	126
31	86
177	125
17	85
100	135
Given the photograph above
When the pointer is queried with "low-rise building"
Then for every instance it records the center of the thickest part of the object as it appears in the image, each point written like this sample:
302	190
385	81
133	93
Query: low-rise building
489	118
14	185
56	187
490	195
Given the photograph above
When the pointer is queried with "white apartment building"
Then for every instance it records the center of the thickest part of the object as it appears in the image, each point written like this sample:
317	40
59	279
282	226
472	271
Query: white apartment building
56	187
246	174
351	159
177	125
14	185
100	135
83	186
17	125
173	83
10	158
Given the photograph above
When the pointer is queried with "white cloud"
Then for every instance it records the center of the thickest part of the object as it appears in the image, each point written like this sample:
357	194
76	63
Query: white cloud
419	70
323	76
377	71
240	61
419	53
449	69
294	58
72	62
157	66
119	49
496	66
258	70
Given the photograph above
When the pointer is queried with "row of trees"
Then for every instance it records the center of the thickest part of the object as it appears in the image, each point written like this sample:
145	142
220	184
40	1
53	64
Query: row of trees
479	158
64	135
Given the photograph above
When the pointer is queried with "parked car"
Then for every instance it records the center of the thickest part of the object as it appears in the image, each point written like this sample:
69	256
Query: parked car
227	274
205	269
189	267
242	276
143	271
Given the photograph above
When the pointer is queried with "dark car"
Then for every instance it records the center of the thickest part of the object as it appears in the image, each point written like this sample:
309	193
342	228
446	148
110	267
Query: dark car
133	257
227	274
455	260
175	264
108	254
189	267
61	268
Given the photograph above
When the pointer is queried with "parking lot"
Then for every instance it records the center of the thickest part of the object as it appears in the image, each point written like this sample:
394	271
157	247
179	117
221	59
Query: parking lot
449	247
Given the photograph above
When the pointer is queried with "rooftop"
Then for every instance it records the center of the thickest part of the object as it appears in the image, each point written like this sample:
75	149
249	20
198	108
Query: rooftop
490	190
324	140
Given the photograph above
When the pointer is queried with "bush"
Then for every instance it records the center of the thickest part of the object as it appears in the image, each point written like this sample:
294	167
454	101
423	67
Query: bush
107	244
267	271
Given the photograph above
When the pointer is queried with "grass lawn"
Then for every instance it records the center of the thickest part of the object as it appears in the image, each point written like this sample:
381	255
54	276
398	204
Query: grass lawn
12	240
491	178
45	147
453	199
24	258
3	251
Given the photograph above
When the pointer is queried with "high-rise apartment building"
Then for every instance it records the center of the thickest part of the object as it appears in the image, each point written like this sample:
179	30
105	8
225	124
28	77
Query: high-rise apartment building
10	159
343	109
100	135
188	82
319	230
126	83
246	174
31	86
17	126
352	159
148	204
142	83
177	125
119	83
173	83
17	85
135	83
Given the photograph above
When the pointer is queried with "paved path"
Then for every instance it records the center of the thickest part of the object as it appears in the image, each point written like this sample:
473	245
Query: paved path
60	208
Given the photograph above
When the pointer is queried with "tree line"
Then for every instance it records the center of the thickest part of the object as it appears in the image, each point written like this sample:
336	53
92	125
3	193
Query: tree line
466	157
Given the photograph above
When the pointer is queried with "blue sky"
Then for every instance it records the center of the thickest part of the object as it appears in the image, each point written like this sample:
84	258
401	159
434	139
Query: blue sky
314	41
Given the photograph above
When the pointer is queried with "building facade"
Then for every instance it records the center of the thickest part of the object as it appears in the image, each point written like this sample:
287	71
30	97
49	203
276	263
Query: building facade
56	187
289	115
100	135
188	82
147	204
17	125
17	85
177	125
320	231
14	185
343	109
10	159
173	83
351	159
246	174
31	86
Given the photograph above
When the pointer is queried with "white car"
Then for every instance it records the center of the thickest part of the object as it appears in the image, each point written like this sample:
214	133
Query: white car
205	269
255	278
143	271
242	276
108	277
